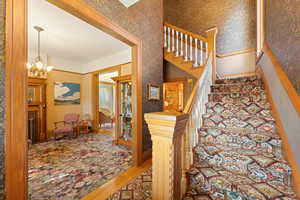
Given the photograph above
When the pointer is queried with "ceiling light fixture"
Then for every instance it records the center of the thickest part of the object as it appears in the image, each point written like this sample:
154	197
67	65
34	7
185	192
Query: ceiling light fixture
128	3
37	68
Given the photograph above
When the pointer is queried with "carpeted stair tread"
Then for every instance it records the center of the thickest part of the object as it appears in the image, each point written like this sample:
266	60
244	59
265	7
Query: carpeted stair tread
248	79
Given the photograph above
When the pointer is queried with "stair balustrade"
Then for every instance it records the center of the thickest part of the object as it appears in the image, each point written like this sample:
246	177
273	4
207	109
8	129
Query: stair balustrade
186	44
174	134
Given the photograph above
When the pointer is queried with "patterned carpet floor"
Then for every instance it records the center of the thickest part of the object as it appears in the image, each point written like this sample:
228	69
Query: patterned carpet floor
69	169
138	189
239	153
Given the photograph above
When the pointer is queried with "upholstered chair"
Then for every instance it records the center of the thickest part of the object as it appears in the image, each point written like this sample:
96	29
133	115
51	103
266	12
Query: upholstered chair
68	126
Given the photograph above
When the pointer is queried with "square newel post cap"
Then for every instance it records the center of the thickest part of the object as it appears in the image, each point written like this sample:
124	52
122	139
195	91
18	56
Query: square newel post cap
166	124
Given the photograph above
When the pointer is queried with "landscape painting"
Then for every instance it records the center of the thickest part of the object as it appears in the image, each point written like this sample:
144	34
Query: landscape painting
66	93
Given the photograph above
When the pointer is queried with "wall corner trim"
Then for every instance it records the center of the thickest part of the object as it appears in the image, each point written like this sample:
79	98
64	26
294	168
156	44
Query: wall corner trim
286	83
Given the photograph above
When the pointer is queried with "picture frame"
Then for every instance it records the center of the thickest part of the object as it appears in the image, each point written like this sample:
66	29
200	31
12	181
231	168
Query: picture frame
66	93
153	92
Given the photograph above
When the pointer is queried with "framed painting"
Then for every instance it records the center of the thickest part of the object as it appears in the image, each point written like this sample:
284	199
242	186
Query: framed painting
153	92
66	93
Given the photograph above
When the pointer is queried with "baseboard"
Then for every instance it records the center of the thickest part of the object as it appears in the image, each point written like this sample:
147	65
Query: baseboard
288	154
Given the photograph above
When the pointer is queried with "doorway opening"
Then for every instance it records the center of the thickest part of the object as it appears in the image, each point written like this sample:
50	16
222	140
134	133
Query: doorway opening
21	87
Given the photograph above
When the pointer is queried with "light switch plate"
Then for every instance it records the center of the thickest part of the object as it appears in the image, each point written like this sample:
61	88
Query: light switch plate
128	3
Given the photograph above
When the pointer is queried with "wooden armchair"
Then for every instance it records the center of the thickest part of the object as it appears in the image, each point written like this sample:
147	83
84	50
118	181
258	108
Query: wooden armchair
68	126
105	117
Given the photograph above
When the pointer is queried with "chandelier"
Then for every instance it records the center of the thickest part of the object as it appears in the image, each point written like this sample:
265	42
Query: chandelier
37	68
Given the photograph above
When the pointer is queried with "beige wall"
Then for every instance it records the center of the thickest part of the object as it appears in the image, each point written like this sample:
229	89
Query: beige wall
87	94
289	116
56	113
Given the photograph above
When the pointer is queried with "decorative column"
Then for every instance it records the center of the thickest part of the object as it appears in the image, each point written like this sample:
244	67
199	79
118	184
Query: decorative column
212	49
166	129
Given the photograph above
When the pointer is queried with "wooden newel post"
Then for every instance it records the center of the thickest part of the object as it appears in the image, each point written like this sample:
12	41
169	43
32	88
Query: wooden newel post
166	131
212	49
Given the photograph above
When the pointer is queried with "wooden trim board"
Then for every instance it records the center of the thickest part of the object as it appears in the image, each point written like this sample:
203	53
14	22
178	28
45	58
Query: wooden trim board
286	83
16	105
288	154
236	53
118	182
16	86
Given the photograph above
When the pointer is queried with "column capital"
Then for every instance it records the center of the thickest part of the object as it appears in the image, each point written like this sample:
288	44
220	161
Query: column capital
166	124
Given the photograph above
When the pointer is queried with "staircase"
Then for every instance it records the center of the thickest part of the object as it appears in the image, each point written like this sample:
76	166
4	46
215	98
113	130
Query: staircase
238	154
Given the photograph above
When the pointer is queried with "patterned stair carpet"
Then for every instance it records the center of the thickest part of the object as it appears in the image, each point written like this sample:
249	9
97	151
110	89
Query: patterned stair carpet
138	189
239	154
69	169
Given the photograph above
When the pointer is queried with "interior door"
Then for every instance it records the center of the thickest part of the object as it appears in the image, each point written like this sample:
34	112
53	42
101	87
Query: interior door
173	96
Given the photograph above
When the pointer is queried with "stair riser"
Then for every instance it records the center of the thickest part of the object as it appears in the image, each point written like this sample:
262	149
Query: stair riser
214	132
235	123
243	110
234	98
254	86
238	80
239	106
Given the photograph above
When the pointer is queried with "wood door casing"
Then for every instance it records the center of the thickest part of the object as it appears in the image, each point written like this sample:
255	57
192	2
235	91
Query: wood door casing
173	96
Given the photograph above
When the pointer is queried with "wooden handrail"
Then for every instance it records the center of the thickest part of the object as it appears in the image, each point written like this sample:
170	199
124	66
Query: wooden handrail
197	36
189	104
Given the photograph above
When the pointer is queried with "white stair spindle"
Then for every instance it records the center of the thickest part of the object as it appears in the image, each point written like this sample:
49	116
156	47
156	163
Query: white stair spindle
177	44
196	53
169	40
165	37
181	44
186	48
173	41
191	48
201	52
206	46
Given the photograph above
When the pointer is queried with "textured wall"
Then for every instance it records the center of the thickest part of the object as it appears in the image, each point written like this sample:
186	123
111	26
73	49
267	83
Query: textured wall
283	36
144	19
236	20
2	12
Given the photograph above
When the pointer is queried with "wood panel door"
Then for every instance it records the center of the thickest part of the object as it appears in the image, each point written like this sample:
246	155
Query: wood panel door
173	96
